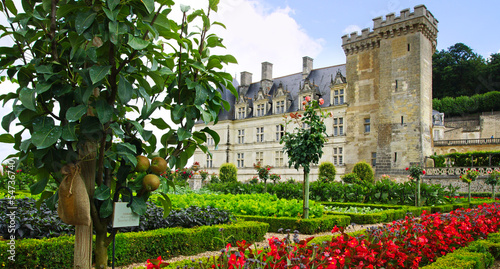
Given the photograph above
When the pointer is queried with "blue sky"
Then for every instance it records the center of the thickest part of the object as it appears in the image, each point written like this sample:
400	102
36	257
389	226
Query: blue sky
283	31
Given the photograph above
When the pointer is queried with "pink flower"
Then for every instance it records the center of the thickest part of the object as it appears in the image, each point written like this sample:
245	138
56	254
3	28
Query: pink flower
321	101
308	98
304	103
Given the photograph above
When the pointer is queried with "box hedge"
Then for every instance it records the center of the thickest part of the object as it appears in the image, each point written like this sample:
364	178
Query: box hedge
135	247
304	226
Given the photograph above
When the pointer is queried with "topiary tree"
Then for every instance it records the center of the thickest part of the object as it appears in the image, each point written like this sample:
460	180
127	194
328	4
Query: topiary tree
304	146
327	172
364	171
351	178
89	77
228	173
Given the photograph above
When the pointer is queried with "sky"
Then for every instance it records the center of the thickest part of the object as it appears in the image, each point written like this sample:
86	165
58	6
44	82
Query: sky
283	31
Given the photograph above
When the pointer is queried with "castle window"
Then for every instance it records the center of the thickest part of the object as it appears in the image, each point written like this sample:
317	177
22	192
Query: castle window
278	159
338	97
210	141
367	125
374	159
408	47
280	131
280	107
338	126
241	113
395	156
241	136
240	160
396	84
259	157
260	110
337	156
209	161
260	134
402	120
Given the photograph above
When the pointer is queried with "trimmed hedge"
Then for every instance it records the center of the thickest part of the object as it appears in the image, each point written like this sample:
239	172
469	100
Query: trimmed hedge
304	226
478	254
135	247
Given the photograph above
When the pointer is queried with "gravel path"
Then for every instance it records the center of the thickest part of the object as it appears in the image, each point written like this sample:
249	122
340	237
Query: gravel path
261	244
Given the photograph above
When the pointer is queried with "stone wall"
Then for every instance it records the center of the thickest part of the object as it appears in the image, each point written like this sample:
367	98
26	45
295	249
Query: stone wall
476	186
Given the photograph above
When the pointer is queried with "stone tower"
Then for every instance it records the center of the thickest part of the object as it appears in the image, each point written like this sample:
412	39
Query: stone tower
389	73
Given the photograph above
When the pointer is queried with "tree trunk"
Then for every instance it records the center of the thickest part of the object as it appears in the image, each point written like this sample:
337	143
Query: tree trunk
101	250
419	203
493	192
83	234
469	192
306	195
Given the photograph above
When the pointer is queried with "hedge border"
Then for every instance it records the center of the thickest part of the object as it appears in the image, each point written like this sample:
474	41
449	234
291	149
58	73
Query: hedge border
304	226
134	247
478	254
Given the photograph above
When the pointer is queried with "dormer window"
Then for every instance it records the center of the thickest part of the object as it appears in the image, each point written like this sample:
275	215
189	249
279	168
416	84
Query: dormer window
338	97
241	113
260	110
280	107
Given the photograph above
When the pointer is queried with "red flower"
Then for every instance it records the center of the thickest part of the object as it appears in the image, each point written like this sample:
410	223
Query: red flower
407	168
308	98
321	101
423	172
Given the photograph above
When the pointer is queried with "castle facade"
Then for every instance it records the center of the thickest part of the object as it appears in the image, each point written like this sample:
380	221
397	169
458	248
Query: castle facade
381	102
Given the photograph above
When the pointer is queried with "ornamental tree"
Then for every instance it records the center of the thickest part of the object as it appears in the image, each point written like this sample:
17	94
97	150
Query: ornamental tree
416	172
90	76
469	176
493	179
304	146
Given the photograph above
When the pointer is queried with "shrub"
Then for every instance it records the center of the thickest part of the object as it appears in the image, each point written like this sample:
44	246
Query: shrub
214	179
228	173
350	178
327	171
364	171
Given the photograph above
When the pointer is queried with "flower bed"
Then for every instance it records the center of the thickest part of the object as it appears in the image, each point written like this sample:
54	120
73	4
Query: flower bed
407	243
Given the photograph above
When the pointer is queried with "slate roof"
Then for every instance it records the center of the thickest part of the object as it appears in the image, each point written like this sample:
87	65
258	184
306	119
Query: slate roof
321	77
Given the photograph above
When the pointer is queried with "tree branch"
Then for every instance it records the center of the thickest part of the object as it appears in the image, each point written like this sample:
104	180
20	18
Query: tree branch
52	34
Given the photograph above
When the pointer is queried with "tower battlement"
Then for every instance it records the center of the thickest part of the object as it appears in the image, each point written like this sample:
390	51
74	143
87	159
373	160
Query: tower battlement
420	20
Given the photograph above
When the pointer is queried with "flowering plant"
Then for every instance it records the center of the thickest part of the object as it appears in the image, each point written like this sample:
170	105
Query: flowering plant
156	263
386	177
262	171
275	177
416	171
203	174
408	243
493	177
470	175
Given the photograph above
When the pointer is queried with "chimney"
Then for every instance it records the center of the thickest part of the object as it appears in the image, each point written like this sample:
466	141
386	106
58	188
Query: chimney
267	71
246	78
307	66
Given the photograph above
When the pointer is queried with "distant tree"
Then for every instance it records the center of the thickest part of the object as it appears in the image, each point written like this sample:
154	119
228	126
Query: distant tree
458	71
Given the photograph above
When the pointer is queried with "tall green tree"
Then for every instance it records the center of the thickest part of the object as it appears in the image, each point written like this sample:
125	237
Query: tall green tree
90	75
457	71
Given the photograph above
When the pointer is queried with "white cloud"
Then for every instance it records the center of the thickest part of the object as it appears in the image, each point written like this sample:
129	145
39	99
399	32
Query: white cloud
256	33
352	28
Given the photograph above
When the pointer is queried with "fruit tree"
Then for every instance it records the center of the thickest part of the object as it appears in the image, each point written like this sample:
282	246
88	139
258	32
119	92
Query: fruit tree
89	77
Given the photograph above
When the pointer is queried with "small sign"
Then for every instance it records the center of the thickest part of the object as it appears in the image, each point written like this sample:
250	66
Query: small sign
123	216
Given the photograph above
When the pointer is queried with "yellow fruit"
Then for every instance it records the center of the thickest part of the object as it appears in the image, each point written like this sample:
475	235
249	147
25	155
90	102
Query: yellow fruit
158	165
151	182
142	164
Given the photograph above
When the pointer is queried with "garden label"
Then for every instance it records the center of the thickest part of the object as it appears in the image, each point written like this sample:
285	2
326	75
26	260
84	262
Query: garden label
123	216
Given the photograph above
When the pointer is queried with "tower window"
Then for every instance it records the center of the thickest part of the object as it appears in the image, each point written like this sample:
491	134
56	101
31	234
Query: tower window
395	156
408	47
396	84
402	120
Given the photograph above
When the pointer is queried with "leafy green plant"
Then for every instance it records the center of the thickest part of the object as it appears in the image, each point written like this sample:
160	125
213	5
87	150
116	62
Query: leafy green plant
351	178
353	209
304	146
470	175
89	77
493	179
364	172
327	171
228	173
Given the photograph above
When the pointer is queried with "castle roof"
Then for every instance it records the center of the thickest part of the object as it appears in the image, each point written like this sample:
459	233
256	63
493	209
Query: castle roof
320	78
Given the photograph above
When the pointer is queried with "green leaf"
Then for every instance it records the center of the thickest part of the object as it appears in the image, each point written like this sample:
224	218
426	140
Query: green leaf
7	138
112	4
166	203
160	123
104	111
106	209
97	73
45	195
102	193
43	87
125	90
183	134
91	125
185	8
213	133
27	97
75	113
149	4
139	206
213	4
11	7
39	186
7	120
201	95
46	136
83	21
52	201
137	43
69	132
116	129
